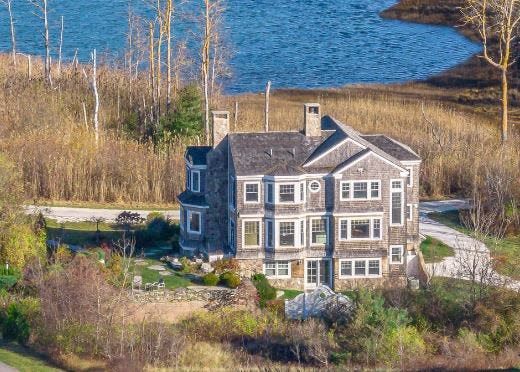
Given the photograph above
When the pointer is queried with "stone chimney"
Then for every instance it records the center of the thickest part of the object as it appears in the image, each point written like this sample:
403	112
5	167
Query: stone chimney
312	120
220	126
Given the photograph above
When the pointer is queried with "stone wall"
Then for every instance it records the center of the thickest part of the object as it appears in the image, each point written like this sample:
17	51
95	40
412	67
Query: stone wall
183	294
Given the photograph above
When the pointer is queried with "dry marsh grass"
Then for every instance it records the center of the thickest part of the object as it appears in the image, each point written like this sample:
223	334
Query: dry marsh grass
43	131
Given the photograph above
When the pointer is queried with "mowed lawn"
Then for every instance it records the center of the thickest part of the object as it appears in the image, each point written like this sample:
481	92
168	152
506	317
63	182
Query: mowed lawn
434	250
23	359
505	252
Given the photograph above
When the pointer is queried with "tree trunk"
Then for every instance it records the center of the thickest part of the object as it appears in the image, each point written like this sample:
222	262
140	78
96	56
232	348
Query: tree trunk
13	38
205	67
47	43
504	104
169	11
61	45
96	96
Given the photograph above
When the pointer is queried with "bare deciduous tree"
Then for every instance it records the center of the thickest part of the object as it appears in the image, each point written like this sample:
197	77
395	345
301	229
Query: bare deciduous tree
8	3
496	21
41	6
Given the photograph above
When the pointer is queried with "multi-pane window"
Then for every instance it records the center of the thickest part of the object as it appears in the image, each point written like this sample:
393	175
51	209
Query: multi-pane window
409	177
374	189
270	268
188	178
373	267
269	198
343	229
360	229
195	181
345	190
302	191
396	254
360	267
319	231
269	232
194	222
181	218
346	268
302	232
396	202
286	234
277	269
376	229
286	193
252	233
360	190
251	192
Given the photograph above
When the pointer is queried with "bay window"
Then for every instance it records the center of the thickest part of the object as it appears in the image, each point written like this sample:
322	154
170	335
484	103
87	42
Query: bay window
251	192
286	193
269	194
287	234
252	233
319	231
195	180
269	233
194	222
360	229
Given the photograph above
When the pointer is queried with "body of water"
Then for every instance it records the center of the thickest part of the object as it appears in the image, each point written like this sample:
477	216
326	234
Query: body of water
293	43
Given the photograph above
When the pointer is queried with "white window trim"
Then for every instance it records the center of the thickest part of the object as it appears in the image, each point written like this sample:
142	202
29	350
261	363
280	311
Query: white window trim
277	276
367	275
181	218
326	231
410	212
260	232
245	193
401	190
296	193
319	186
349	228
303	192
390	255
410	170
278	235
302	238
193	171
351	190
189	222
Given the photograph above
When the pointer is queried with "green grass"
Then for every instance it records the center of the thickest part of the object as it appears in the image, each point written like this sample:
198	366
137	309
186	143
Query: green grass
23	359
505	252
289	294
434	250
81	233
175	280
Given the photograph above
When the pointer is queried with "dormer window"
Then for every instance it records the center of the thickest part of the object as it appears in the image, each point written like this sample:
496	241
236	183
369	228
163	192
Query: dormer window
195	180
286	193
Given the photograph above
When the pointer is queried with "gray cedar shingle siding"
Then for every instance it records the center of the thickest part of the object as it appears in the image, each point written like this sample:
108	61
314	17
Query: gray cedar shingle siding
341	153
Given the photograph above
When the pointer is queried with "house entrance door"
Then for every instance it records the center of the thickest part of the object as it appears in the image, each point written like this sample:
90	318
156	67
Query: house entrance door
317	272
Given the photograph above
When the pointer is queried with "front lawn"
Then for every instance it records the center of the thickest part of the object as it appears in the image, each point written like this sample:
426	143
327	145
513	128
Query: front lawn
434	250
175	279
289	294
82	233
505	252
23	359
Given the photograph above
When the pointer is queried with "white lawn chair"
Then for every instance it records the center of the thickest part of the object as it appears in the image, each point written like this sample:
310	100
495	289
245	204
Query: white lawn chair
137	282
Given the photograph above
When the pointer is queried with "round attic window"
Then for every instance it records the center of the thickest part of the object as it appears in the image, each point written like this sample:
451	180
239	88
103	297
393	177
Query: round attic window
314	186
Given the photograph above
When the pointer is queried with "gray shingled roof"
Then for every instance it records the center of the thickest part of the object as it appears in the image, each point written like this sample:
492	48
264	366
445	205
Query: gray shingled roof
196	155
188	197
257	153
392	147
352	159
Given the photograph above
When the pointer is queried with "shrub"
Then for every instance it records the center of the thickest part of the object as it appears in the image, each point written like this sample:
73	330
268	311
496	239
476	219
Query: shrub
7	281
158	227
16	325
230	279
187	265
226	264
210	279
265	290
127	219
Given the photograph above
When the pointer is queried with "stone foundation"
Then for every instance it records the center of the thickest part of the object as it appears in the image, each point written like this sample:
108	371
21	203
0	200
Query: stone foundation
341	285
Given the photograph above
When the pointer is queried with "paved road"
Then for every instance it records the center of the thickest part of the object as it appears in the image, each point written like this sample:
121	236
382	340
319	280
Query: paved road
68	214
6	368
471	255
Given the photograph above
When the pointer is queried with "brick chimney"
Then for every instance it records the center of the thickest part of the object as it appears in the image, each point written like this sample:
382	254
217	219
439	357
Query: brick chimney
312	119
220	126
